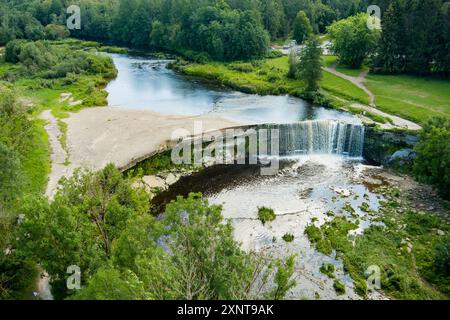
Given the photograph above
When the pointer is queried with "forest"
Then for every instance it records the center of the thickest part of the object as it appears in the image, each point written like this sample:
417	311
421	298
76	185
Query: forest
415	37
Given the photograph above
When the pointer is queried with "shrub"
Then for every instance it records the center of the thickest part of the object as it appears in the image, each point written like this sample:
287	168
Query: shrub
339	287
433	155
56	32
241	67
442	257
288	237
328	269
266	215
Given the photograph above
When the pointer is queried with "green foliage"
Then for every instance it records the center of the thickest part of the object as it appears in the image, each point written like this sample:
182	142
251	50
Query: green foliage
339	287
56	32
309	66
189	253
79	226
328	269
433	155
11	180
316	236
283	280
352	41
302	27
41	59
288	237
442	257
266	215
22	137
111	284
415	37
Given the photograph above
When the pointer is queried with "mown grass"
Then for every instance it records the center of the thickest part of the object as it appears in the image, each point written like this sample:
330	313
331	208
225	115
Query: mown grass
411	97
344	89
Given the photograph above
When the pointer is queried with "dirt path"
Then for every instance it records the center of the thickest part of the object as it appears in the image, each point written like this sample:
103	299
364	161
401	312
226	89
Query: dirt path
397	122
357	81
59	156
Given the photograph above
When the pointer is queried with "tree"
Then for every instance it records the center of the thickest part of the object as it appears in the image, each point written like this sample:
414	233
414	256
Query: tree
309	67
273	17
293	64
302	27
352	41
414	37
11	179
190	253
56	32
433	155
88	213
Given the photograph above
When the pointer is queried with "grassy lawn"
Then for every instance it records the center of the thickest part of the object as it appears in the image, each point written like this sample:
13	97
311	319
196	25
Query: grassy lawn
329	61
343	88
411	97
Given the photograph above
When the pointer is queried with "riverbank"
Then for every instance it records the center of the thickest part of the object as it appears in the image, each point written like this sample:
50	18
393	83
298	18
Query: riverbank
99	136
352	216
269	77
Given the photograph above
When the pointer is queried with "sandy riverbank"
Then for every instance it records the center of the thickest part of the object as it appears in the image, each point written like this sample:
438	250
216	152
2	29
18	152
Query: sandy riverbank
99	136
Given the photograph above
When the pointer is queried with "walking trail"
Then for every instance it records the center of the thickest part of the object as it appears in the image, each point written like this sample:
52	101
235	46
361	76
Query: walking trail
358	81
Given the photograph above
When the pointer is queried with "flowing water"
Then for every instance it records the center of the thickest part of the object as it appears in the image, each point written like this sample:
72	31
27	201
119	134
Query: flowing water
145	83
321	161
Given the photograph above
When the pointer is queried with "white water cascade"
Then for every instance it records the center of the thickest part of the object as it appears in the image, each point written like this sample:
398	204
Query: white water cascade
320	137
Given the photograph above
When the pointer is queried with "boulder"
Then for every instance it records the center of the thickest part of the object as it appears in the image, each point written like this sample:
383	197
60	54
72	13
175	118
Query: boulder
172	179
404	155
154	182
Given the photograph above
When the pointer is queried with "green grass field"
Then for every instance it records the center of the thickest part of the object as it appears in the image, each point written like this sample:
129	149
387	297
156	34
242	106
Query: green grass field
415	98
329	61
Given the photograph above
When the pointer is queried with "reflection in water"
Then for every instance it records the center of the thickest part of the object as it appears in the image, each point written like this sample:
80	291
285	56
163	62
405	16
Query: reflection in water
145	83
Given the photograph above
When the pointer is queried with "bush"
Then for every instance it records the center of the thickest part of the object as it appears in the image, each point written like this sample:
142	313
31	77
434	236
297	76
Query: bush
56	32
339	287
442	257
241	67
266	215
288	237
10	176
328	269
433	155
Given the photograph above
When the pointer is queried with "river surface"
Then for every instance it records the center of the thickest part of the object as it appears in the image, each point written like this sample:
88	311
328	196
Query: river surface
146	83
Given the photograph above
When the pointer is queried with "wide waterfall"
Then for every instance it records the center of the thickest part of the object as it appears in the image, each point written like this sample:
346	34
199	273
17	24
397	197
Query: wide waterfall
320	137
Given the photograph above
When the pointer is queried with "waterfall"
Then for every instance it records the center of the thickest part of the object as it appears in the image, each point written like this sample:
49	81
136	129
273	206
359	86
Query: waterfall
320	137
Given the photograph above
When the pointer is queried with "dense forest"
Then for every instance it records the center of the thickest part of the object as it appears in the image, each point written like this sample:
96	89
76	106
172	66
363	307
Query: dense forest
415	37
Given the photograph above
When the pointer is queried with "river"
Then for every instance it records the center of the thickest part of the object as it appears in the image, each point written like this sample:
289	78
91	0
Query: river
145	83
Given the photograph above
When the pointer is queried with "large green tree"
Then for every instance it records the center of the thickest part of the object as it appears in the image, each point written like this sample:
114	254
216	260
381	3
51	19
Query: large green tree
433	155
352	41
302	27
309	67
